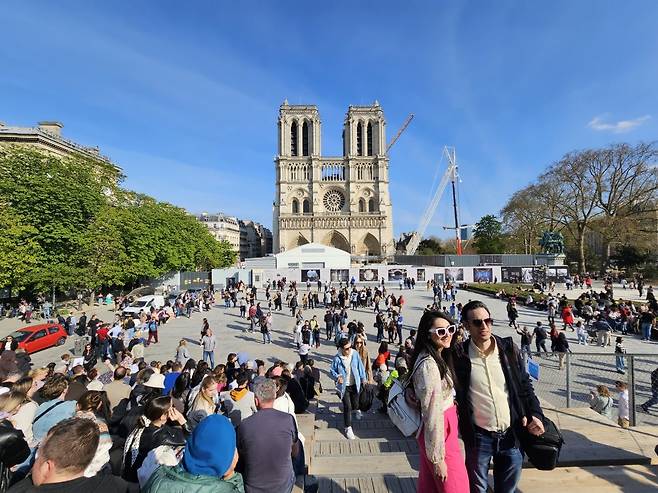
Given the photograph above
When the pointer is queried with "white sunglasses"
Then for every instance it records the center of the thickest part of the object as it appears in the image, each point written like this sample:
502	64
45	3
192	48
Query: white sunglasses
442	331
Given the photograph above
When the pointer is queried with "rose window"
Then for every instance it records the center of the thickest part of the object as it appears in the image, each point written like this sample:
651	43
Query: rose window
333	201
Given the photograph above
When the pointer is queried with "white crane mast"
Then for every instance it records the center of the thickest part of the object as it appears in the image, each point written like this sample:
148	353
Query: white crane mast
449	175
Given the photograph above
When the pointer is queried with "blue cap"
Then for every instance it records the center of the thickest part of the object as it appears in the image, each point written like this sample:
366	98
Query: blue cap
210	449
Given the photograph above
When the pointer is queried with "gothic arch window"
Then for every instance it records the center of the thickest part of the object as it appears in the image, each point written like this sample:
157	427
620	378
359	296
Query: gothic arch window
371	205
295	206
305	138
369	139
362	205
306	206
359	139
293	138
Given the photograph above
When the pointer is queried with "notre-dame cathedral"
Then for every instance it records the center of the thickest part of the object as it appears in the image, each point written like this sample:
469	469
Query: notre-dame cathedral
342	201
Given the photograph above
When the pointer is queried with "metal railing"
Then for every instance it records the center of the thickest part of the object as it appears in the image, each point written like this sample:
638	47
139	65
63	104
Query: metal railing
582	372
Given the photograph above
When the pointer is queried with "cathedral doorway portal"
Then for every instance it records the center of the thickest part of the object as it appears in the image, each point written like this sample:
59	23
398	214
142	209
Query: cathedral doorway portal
337	240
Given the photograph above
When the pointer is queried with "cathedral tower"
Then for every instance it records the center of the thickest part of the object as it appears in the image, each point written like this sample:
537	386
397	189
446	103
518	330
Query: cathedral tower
341	202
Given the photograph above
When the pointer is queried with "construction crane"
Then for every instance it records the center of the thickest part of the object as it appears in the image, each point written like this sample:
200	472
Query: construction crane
450	175
402	129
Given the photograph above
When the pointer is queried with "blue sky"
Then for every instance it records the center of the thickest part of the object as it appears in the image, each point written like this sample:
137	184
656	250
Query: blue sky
184	95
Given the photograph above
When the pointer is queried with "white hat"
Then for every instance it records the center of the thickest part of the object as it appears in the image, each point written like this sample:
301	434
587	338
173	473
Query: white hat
155	381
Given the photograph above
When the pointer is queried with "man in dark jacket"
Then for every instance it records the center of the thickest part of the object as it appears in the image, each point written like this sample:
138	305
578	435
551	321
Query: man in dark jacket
495	401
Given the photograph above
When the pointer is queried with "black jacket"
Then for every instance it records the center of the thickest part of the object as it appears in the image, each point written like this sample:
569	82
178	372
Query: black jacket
522	398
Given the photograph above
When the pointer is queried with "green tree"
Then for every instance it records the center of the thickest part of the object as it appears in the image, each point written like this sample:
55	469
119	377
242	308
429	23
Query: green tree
66	223
488	235
19	251
58	198
430	246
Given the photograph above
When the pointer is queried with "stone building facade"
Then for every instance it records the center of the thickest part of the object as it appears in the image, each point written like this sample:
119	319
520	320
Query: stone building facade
247	238
342	201
223	228
47	136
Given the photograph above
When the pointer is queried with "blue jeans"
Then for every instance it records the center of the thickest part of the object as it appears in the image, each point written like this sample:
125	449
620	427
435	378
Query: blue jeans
211	357
646	332
507	461
654	399
266	337
620	363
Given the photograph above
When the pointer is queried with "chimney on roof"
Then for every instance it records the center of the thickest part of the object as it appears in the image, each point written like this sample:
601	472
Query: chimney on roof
54	128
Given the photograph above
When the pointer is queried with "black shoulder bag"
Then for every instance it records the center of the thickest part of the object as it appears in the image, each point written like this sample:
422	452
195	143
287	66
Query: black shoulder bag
543	451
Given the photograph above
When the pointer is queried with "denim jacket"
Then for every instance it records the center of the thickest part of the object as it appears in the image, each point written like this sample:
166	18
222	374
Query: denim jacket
338	370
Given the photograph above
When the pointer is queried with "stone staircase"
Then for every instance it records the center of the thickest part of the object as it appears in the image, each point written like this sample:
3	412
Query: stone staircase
598	455
381	459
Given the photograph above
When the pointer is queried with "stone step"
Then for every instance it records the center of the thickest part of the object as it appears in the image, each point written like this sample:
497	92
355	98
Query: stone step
396	463
338	433
373	446
601	479
368	484
363	424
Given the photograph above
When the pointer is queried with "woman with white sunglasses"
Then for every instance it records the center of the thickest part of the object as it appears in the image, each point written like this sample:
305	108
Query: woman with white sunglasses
441	462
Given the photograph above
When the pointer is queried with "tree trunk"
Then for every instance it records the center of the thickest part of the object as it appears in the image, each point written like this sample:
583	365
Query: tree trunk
606	256
581	251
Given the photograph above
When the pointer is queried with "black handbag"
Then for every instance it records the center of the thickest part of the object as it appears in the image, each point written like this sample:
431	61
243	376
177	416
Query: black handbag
366	396
543	451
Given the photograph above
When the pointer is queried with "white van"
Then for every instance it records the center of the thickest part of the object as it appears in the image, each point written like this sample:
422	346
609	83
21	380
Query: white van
144	303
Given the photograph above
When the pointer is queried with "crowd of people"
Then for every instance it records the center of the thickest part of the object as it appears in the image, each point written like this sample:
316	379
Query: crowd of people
169	426
158	426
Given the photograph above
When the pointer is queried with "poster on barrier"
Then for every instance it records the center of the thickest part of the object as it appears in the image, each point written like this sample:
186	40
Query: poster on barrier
533	369
454	274
483	274
513	275
339	275
368	275
310	275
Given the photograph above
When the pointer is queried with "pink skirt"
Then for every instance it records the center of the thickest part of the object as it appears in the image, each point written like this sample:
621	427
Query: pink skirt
457	481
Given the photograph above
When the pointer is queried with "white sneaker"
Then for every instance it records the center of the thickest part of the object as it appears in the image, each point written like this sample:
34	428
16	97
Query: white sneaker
359	415
349	433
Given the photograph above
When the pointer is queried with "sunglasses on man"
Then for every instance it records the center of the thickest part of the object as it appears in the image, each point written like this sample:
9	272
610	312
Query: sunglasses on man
442	331
481	322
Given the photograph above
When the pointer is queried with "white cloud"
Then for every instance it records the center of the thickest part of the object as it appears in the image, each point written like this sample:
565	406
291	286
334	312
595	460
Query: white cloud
622	126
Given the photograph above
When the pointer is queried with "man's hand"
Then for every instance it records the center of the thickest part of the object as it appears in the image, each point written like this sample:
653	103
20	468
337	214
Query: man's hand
536	427
339	380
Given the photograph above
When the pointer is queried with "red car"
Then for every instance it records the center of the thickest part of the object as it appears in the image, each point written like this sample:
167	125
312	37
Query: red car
38	337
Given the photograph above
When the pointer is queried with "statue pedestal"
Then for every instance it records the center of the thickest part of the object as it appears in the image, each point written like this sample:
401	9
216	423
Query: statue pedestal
549	259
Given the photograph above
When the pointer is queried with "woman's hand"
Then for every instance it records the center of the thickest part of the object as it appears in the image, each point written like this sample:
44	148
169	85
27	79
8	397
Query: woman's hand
175	415
441	470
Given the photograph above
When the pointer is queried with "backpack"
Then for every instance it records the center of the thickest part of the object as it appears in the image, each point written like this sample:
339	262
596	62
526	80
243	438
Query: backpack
306	336
153	326
403	415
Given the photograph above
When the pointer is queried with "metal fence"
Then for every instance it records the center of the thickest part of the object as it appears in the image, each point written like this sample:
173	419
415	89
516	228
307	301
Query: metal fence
582	372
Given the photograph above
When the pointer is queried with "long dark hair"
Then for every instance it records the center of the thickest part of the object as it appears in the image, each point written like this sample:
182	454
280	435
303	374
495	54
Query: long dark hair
424	342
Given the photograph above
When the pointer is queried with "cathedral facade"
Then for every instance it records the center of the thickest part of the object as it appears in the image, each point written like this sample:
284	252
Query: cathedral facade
341	201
